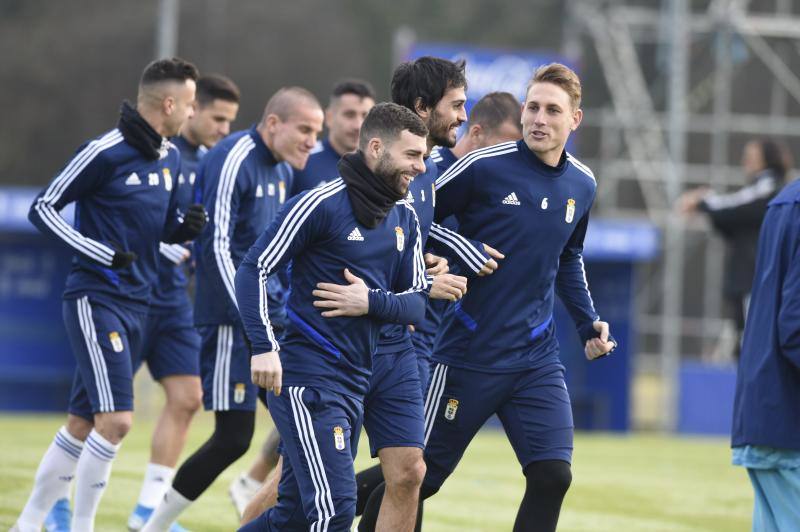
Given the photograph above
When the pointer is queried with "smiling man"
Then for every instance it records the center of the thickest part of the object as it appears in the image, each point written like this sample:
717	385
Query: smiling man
498	352
355	230
435	90
243	182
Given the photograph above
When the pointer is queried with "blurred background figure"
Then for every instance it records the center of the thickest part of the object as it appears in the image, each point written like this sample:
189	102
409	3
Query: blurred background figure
737	217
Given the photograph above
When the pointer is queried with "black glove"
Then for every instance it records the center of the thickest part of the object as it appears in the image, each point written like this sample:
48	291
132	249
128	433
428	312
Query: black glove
194	219
122	259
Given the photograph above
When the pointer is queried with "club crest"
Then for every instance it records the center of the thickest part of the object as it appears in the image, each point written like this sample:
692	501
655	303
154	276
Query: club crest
238	393
338	438
570	211
450	409
116	342
401	239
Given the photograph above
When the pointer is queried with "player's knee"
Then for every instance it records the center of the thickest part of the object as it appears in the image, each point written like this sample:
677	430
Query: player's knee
409	476
231	445
113	426
549	476
188	401
78	427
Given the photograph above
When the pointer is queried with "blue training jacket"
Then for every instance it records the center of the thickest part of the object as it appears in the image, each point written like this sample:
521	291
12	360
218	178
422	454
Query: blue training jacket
766	409
319	233
243	187
537	216
123	201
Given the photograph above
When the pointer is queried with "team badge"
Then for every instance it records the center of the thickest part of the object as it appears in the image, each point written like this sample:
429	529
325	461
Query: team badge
281	191
167	179
191	178
116	341
570	211
338	438
238	393
401	239
450	409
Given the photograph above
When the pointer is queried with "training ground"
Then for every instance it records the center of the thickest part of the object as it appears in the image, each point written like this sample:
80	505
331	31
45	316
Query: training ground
625	483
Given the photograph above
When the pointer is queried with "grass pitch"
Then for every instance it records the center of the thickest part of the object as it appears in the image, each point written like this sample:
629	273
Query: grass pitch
620	483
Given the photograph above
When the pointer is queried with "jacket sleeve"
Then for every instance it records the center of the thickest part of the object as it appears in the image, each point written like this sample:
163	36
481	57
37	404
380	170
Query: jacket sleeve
467	254
789	310
222	196
290	232
407	305
80	178
571	284
743	209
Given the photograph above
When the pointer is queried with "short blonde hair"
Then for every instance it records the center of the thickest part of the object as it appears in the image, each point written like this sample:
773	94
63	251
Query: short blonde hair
562	76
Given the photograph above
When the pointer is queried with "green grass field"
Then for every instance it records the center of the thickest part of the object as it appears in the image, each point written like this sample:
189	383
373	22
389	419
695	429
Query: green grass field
621	483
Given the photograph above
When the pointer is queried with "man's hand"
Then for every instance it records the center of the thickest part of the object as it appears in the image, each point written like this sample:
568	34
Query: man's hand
343	299
266	371
448	286
435	265
689	201
491	265
597	347
122	259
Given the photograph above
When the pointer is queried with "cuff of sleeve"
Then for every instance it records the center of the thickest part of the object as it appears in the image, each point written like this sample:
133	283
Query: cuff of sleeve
376	306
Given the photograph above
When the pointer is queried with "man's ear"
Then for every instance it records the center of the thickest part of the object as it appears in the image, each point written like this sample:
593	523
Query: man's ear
374	148
271	122
420	109
577	116
475	131
168	105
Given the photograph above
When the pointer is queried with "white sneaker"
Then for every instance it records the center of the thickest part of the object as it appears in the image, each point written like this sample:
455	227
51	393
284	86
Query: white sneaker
242	490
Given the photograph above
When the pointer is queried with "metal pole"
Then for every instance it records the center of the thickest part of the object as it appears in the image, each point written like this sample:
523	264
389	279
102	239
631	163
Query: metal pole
674	230
167	29
723	80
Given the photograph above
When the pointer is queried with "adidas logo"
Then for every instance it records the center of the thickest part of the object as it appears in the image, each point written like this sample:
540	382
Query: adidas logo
355	234
259	192
511	199
133	179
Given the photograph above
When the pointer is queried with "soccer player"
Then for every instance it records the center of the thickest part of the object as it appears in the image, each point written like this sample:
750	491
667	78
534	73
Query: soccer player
357	229
124	184
350	101
243	182
498	352
434	89
172	344
766	408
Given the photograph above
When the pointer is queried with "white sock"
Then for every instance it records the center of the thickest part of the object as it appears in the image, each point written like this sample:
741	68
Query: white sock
167	511
52	480
157	480
91	479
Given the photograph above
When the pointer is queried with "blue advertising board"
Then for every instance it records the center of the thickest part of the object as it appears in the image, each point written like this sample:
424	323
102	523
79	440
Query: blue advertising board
36	364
